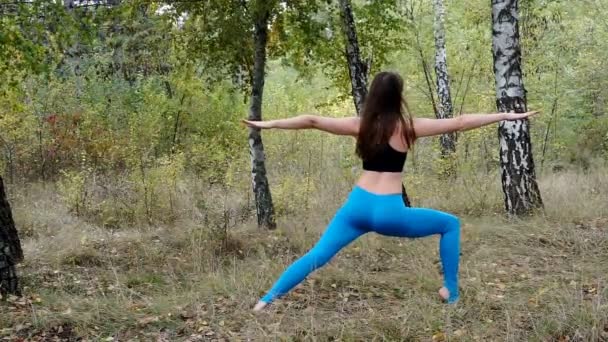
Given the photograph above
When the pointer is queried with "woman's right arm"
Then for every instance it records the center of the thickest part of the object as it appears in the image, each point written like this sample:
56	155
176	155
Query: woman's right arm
424	127
338	126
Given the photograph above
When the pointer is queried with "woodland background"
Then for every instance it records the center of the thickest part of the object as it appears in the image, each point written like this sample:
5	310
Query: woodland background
129	173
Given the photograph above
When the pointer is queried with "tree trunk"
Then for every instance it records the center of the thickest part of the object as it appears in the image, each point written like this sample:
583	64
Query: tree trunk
448	140
10	248
261	189
519	185
356	68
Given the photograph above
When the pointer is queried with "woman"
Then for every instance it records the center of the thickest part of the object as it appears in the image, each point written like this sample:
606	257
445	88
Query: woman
385	132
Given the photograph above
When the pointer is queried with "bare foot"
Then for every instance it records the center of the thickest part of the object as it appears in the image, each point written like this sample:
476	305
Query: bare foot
444	293
259	306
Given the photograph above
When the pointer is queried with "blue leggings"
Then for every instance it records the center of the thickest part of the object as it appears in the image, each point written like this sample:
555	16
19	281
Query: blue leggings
384	214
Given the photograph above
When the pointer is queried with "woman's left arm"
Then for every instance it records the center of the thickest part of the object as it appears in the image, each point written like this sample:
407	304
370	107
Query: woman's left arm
338	126
425	127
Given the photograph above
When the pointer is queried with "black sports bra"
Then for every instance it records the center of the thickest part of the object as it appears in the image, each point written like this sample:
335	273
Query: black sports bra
386	160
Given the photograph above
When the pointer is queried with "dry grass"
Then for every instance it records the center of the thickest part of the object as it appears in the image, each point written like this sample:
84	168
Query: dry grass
539	279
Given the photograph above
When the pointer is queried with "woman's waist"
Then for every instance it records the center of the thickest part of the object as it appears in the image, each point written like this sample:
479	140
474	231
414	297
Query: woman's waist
381	183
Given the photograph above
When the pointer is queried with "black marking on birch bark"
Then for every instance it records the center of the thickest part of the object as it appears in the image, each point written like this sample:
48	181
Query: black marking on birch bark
10	247
356	67
521	192
444	110
261	188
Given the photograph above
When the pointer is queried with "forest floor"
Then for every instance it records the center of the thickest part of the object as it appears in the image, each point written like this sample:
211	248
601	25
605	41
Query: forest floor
539	279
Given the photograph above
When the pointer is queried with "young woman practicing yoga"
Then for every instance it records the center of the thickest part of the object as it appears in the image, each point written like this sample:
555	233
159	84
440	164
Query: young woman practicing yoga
385	132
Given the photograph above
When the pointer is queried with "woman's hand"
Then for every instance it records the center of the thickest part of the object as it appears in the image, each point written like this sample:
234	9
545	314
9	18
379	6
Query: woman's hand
519	116
258	124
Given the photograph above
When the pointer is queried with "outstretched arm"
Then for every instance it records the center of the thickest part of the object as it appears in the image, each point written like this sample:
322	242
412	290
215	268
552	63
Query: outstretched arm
429	127
338	126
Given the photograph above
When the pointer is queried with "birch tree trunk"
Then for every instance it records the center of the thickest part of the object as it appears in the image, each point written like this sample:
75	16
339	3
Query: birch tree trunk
356	68
261	189
444	110
10	248
519	184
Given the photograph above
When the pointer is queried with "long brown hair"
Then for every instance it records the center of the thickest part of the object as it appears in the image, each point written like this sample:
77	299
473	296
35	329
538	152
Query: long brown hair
383	110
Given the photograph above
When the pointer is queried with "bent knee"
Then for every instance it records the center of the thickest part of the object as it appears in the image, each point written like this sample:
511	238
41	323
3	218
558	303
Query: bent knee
453	222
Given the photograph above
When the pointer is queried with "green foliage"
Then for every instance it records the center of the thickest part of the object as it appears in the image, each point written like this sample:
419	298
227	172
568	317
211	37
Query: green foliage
592	143
311	38
219	36
293	194
73	188
34	37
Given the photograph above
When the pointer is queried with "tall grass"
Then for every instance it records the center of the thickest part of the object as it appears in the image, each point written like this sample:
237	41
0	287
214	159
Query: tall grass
197	275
